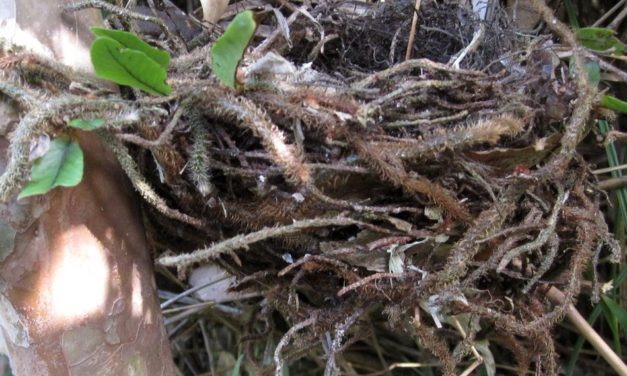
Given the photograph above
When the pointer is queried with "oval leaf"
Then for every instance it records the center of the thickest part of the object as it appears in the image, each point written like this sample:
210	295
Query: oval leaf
61	166
112	61
229	49
600	39
594	72
86	124
131	41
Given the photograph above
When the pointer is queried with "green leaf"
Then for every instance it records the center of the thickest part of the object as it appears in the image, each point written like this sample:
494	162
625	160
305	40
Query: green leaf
112	61
572	14
616	317
610	318
238	365
61	166
600	39
614	103
132	42
618	313
86	124
229	49
613	161
594	72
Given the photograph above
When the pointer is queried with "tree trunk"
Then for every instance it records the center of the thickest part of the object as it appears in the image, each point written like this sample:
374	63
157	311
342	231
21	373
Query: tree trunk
77	286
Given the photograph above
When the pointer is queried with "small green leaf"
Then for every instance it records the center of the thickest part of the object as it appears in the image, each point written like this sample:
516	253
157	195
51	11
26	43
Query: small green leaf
618	312
112	61
594	72
86	124
600	39
614	103
238	365
132	42
616	317
229	49
572	14
61	166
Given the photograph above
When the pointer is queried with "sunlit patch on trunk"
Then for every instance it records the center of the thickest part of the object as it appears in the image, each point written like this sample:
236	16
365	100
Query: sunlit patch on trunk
80	275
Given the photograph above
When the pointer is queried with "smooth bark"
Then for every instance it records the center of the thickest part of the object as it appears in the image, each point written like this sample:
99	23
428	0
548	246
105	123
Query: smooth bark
77	292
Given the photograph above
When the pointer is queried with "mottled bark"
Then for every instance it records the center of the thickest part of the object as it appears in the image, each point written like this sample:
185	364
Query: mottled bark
77	292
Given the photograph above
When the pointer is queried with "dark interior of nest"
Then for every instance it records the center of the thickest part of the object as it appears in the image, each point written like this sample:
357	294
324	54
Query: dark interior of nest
363	192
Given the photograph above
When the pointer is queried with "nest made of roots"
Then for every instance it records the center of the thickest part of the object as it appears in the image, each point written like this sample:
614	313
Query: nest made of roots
368	202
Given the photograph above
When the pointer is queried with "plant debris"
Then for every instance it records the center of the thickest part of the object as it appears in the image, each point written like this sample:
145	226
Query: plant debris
361	200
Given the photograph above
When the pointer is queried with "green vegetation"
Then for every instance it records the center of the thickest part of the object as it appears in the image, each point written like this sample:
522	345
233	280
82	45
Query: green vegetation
600	39
229	49
61	166
86	124
125	59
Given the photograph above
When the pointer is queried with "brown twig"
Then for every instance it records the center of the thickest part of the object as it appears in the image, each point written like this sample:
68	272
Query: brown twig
412	32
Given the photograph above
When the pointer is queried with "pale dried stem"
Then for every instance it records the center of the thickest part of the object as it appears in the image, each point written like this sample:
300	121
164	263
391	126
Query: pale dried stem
471	47
307	258
336	345
163	138
618	20
243	241
617	364
443	119
609	13
359	207
278	360
412	33
413	64
367	280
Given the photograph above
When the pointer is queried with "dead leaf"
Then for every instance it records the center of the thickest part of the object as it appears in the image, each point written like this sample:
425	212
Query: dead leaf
212	10
217	281
508	158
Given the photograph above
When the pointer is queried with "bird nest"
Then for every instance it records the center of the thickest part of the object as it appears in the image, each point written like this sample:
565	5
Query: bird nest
365	200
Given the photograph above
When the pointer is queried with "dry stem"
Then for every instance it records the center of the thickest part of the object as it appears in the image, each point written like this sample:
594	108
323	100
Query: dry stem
558	297
243	241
